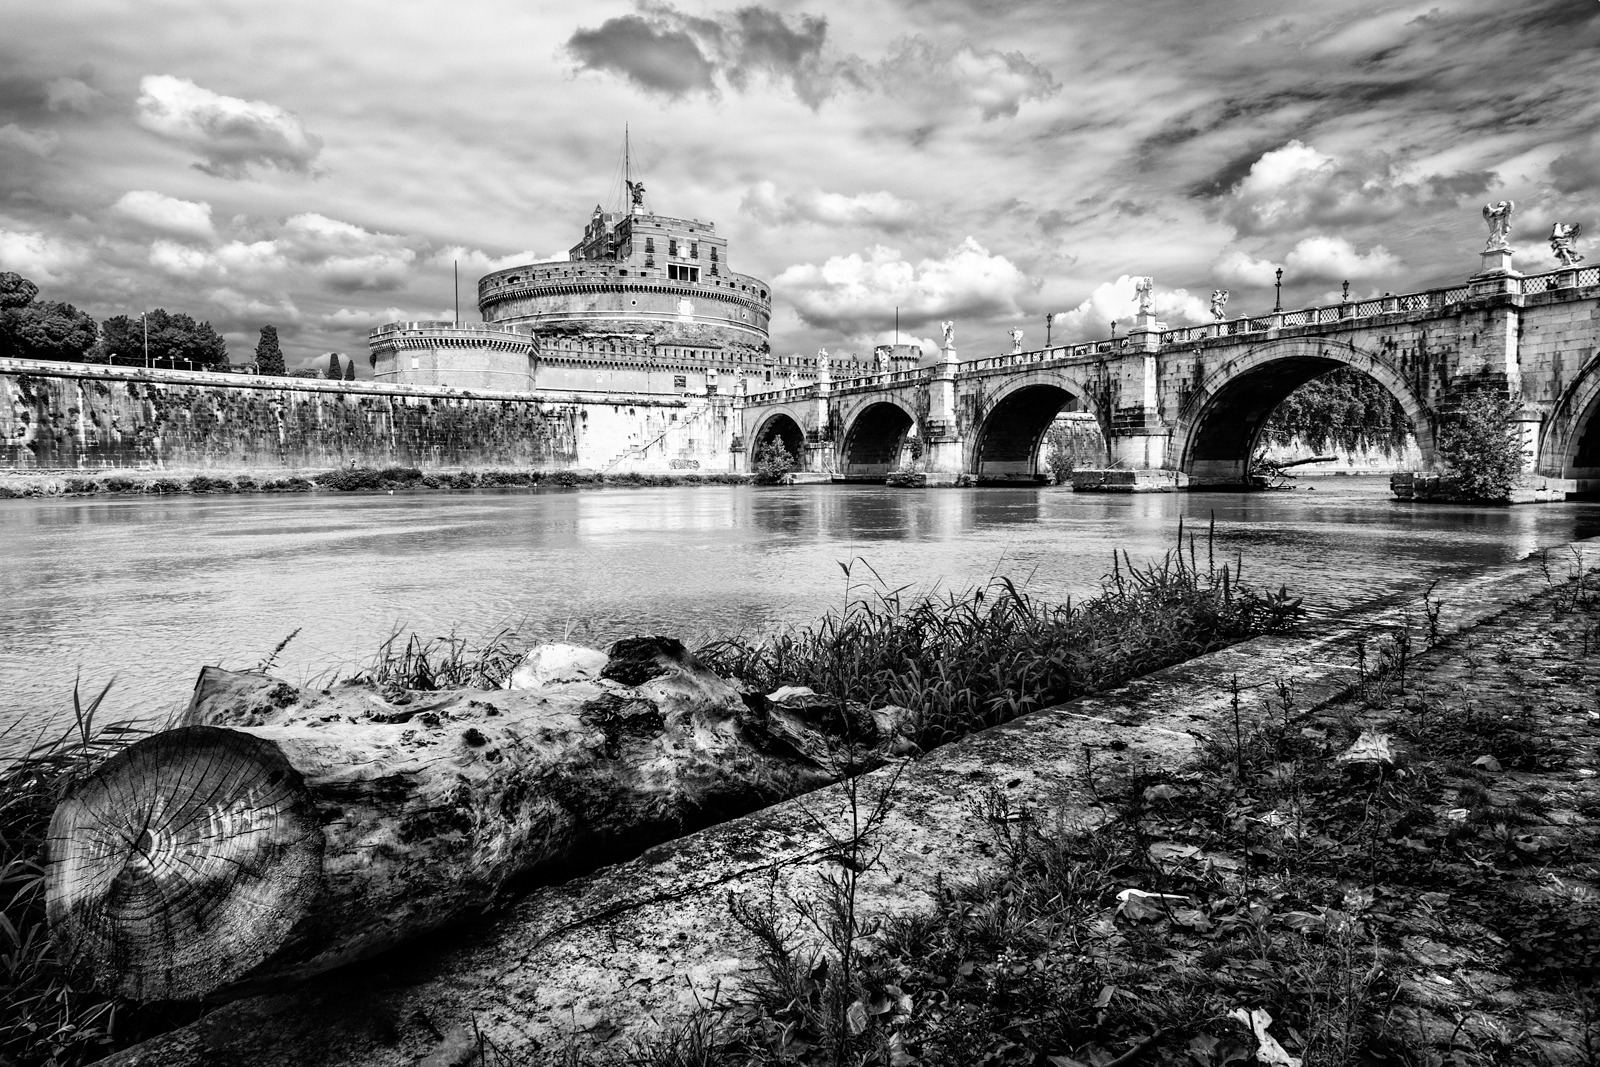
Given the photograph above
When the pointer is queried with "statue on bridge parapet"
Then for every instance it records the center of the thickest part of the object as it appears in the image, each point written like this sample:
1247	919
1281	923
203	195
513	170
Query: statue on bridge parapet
824	364
1219	300
949	329
1563	242
1016	341
1144	287
1498	216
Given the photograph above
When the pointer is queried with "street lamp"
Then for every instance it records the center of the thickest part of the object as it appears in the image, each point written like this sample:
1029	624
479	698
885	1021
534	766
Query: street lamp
145	324
1048	320
1113	329
1277	304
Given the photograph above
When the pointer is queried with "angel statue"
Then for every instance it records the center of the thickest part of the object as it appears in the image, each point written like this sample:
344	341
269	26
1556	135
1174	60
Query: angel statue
1498	216
1016	340
949	329
1563	242
1144	287
635	192
1219	300
824	365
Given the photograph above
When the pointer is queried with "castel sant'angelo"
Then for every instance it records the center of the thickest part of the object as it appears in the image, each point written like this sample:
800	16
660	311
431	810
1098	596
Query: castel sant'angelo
644	304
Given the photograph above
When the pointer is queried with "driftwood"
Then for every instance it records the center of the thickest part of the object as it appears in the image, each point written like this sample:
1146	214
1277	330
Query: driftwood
280	832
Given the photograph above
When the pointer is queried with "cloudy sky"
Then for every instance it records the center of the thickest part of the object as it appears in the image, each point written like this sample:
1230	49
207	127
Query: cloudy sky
319	165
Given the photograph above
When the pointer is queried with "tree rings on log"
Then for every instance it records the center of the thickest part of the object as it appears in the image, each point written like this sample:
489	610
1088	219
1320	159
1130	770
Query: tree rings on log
182	863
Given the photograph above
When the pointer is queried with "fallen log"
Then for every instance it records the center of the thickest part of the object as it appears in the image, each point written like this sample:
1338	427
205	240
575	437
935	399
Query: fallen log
281	832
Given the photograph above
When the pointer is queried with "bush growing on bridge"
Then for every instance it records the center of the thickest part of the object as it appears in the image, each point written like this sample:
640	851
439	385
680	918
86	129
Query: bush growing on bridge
1480	449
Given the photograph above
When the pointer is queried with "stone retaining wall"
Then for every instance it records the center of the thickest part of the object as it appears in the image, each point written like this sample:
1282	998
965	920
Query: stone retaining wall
66	416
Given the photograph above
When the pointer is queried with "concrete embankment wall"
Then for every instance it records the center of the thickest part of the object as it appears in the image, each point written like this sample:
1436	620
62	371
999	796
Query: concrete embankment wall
68	416
609	957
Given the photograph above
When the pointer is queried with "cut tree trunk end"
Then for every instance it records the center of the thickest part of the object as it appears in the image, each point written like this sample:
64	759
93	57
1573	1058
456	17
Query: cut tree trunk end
182	863
282	832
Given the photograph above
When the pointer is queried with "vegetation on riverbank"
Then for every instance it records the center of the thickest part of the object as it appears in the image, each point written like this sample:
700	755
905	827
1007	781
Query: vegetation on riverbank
345	479
963	662
1402	877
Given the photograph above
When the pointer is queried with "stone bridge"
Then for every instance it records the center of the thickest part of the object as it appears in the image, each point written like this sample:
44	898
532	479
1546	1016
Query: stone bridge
1187	405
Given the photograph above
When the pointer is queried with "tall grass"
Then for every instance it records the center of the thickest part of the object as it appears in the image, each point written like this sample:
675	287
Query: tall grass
411	661
45	1019
966	661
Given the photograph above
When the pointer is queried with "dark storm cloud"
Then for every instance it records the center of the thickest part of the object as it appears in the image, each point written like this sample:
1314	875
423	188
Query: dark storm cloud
1577	171
667	51
651	53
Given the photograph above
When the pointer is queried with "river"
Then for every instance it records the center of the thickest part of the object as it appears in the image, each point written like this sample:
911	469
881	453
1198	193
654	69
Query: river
142	592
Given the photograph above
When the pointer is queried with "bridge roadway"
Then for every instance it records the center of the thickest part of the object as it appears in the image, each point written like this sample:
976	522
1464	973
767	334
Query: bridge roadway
1187	405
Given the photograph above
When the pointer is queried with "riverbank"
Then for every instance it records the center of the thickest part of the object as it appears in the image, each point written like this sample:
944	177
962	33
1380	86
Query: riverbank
1403	892
129	482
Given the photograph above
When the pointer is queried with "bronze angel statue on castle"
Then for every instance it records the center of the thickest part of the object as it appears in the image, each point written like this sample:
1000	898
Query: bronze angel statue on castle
1563	242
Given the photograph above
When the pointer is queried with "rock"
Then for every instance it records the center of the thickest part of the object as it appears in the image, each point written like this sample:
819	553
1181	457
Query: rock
557	664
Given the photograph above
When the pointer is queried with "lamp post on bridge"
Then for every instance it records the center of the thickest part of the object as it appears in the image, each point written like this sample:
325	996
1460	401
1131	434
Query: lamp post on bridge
1277	303
1048	321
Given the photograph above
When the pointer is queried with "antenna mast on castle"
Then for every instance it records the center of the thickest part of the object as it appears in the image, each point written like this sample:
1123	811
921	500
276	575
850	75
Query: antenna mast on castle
633	191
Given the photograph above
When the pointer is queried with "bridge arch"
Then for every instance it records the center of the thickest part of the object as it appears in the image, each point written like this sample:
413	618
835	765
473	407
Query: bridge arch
783	427
1014	420
1216	431
1570	444
874	437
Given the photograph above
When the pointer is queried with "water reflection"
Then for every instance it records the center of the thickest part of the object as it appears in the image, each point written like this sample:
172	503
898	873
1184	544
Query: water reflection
149	590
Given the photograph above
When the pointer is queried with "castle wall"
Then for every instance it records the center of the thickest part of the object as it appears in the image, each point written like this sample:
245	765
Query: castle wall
86	416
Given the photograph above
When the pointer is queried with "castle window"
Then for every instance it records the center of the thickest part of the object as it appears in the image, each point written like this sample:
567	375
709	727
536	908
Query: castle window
694	249
682	274
680	381
672	246
649	245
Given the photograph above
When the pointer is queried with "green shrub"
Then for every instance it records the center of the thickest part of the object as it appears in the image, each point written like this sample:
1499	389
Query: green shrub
399	477
294	484
494	478
350	479
163	485
118	484
460	480
203	483
245	484
773	462
431	481
1480	449
82	485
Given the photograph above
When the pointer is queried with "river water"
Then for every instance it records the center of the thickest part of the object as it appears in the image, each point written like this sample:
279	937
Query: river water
142	592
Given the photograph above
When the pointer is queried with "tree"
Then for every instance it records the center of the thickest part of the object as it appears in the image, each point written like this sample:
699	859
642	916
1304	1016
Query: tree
1344	409
334	371
1480	449
269	357
772	462
41	329
350	370
173	338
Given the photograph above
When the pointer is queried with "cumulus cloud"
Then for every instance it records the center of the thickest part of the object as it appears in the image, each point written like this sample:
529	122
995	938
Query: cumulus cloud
69	94
1297	186
667	51
37	256
1237	267
1119	301
1577	170
877	210
474	261
856	293
242	306
1334	259
184	218
996	83
231	135
346	256
37	142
